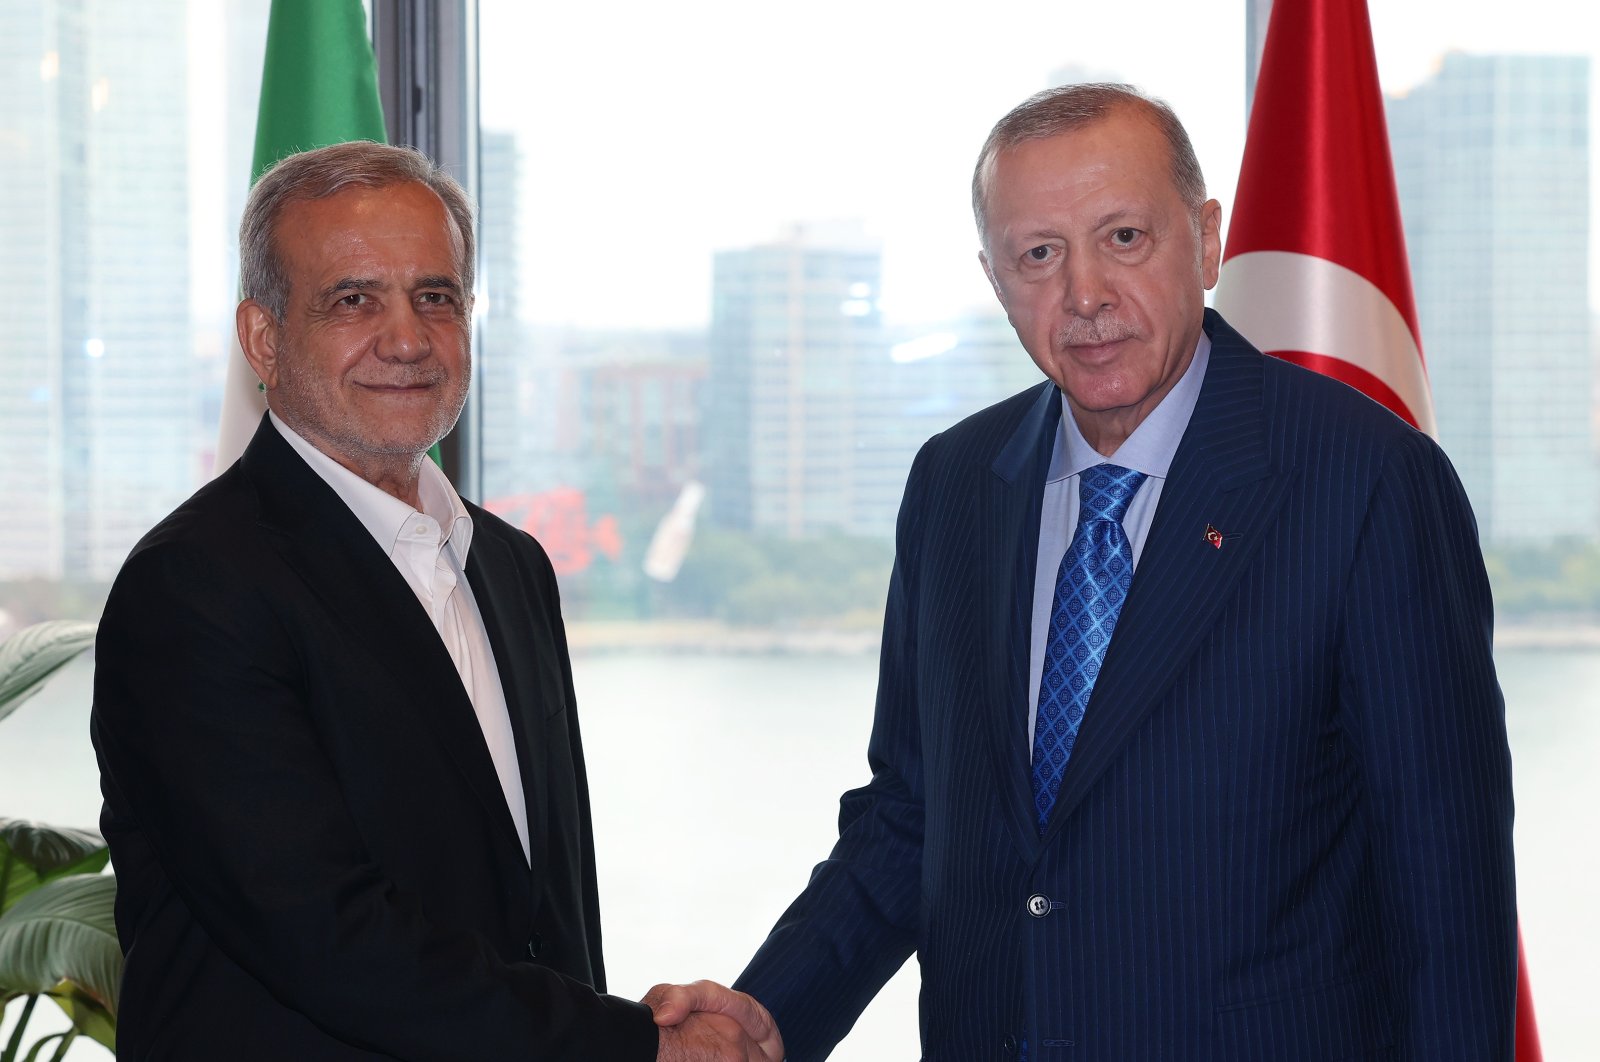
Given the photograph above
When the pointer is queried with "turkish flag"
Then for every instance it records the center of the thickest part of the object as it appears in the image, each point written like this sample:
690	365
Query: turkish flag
1315	268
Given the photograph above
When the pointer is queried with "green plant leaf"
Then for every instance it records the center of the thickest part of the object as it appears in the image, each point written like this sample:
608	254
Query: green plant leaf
88	1016
32	853
66	1037
35	653
65	930
13	1045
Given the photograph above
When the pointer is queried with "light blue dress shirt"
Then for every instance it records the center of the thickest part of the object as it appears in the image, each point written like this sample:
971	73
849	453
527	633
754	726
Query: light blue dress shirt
1149	450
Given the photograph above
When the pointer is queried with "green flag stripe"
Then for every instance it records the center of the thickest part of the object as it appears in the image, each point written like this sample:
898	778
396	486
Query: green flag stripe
319	84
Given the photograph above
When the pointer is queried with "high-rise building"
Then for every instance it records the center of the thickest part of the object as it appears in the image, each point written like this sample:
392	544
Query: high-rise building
642	418
928	379
795	328
1491	157
96	415
502	355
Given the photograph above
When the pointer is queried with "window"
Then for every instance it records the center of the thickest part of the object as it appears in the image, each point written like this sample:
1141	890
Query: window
730	248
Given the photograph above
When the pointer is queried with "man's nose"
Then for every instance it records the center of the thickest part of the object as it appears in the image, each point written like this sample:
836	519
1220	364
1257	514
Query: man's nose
403	337
1089	289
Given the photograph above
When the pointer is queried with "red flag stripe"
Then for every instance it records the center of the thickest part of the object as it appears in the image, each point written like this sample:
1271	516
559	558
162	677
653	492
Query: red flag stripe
1326	186
1528	1049
1354	375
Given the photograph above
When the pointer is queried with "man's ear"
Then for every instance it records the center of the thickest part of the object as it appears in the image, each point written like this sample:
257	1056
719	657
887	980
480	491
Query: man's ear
988	271
1210	243
258	338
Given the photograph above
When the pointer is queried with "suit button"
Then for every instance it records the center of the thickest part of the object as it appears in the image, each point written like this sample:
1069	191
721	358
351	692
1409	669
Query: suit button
535	943
1038	905
1010	1045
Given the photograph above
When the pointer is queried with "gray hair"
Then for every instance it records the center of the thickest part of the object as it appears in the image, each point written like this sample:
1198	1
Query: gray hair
328	171
1071	107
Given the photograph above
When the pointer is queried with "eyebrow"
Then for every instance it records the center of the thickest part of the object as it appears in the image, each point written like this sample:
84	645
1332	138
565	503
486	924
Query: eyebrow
349	284
1116	216
449	284
1122	215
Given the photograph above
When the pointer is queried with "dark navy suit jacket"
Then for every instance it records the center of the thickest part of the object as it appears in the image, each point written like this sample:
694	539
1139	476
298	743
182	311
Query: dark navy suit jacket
1285	831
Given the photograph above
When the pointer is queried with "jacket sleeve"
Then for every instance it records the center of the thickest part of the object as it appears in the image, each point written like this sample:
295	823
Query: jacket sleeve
1417	687
856	921
207	749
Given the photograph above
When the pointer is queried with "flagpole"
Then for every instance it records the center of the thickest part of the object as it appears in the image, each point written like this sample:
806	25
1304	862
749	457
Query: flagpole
1257	13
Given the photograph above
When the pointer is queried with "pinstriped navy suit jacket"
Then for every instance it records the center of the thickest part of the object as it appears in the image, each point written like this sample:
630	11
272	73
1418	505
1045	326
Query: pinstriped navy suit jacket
1285	831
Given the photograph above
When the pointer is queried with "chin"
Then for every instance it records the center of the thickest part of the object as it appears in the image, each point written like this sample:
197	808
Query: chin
1099	396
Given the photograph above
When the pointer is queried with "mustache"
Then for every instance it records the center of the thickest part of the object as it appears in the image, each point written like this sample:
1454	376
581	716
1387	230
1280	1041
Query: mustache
1091	332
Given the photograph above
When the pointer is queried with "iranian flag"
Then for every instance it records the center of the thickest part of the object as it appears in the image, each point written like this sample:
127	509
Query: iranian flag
319	86
1315	268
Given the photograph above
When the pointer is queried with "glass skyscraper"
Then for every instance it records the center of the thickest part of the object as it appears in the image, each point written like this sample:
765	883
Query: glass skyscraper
96	406
1491	156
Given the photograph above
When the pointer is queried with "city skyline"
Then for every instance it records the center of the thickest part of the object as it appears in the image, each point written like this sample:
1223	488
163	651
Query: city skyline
110	401
711	144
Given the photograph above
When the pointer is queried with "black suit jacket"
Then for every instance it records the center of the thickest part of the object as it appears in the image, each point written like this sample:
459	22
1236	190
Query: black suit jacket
314	856
1285	831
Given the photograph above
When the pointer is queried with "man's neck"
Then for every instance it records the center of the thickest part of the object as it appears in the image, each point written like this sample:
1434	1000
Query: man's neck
398	482
394	474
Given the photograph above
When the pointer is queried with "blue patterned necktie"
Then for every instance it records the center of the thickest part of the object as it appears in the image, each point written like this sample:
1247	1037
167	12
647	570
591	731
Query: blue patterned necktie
1095	574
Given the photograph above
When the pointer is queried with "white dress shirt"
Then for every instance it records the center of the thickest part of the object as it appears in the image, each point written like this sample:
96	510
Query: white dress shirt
429	549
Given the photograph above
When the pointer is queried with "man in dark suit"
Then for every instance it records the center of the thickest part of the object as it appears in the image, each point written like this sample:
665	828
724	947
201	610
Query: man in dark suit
344	787
1188	742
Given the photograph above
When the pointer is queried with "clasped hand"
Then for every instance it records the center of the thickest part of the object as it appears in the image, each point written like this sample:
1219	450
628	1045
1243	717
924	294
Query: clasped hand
707	1021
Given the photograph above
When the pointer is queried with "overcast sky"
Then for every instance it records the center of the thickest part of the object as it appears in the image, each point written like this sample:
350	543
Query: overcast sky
654	134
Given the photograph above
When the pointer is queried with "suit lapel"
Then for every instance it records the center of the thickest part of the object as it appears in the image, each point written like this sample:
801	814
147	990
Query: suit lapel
1221	477
1010	546
321	539
524	653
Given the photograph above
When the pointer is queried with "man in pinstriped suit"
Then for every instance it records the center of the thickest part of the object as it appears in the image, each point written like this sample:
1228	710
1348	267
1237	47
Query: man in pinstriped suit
1284	830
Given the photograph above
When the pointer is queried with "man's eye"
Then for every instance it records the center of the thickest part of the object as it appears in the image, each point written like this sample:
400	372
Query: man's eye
435	298
1124	237
355	298
1039	254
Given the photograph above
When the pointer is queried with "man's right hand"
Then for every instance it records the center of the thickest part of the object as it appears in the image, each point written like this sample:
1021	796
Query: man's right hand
708	1037
708	1020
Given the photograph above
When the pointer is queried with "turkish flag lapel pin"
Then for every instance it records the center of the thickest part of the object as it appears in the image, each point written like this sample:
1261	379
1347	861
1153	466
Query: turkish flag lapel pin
1214	537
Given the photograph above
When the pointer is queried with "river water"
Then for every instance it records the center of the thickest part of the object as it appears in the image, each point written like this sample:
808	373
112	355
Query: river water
715	781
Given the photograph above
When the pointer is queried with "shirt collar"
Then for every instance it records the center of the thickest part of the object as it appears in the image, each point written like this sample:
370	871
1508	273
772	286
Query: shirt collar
381	513
1154	442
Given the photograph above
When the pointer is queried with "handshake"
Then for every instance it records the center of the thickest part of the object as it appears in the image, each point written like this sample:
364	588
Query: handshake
707	1021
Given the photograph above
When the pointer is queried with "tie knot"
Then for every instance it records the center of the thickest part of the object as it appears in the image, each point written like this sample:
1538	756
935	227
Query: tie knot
1104	492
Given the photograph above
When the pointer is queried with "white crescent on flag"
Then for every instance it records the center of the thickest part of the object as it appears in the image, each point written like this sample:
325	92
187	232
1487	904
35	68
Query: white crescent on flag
1295	305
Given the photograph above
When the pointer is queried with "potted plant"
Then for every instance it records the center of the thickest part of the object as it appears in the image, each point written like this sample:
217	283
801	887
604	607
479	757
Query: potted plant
58	938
